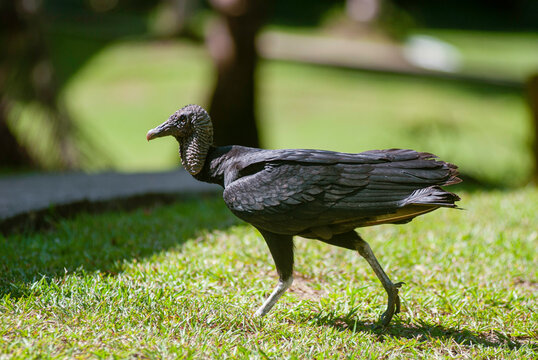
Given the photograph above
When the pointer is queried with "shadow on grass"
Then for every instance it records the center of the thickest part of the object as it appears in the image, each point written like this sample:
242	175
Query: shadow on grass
427	332
90	242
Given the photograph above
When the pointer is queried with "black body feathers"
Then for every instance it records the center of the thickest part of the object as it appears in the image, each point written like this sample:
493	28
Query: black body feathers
317	193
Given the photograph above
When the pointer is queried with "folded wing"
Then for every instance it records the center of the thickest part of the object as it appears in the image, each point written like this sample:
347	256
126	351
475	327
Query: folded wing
295	191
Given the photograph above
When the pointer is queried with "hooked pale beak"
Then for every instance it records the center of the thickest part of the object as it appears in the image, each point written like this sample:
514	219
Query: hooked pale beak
164	129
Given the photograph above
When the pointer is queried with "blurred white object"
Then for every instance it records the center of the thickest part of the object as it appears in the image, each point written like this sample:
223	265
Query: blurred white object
431	53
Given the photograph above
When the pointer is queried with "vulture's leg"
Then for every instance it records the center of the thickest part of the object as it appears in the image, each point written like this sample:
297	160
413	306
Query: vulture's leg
352	240
281	247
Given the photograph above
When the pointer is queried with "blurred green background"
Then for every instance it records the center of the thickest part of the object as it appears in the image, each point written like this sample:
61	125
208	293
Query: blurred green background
455	83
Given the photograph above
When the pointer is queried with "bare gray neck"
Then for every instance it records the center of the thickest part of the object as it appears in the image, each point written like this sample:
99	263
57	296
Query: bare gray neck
193	148
193	152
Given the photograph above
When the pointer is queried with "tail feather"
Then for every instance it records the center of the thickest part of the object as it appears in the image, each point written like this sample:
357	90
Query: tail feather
422	170
453	169
433	195
453	179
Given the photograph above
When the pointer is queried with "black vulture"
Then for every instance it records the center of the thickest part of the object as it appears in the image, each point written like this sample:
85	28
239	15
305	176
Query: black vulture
315	194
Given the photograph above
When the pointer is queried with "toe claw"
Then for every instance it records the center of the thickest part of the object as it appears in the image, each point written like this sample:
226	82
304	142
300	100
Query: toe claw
385	318
393	306
397	310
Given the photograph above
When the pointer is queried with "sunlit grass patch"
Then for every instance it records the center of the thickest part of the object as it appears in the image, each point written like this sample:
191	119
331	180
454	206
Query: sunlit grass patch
185	280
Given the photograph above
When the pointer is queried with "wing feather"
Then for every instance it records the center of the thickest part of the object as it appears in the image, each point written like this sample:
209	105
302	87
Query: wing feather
318	188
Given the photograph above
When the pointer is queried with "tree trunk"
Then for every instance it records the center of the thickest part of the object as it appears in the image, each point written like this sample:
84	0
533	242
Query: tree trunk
231	43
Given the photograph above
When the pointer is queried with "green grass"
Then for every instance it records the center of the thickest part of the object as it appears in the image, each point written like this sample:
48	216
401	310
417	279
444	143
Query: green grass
131	87
184	280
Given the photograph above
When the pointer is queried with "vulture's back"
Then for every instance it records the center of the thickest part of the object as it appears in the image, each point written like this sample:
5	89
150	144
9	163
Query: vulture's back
318	193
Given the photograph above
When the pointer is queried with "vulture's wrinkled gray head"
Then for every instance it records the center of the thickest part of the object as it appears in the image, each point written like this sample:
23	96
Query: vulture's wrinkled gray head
192	128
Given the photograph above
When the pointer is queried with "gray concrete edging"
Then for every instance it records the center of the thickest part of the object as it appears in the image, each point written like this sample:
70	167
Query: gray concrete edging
26	198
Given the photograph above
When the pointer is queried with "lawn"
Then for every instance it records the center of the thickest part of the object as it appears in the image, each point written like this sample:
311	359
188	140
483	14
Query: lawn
130	87
183	280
